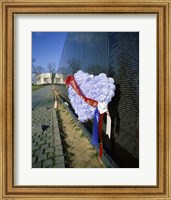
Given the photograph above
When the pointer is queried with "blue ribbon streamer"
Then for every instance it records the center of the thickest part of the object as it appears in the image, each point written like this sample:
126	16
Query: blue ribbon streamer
95	128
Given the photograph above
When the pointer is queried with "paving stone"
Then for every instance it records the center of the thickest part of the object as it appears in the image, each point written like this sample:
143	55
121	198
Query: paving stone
50	135
49	141
33	159
51	144
36	138
48	150
57	142
50	138
58	153
35	148
42	157
47	163
59	159
36	165
41	142
39	152
50	155
59	165
44	138
44	146
45	134
59	147
37	129
57	137
34	144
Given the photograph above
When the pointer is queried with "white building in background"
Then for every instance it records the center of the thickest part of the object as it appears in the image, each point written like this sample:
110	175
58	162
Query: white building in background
46	78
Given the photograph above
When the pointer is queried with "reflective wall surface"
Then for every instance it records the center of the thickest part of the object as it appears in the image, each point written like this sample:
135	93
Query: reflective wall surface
117	55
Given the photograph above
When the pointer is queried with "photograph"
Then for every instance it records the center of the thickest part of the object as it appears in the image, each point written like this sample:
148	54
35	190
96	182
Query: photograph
85	99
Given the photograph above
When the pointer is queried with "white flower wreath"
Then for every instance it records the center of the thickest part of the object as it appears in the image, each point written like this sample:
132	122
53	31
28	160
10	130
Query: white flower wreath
99	88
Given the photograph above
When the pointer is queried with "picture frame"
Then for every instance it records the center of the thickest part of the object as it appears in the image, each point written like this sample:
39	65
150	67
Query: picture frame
20	7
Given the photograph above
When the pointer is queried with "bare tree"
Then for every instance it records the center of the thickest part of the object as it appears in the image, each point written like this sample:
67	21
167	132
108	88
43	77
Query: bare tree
74	65
96	69
51	67
36	70
33	75
33	60
64	71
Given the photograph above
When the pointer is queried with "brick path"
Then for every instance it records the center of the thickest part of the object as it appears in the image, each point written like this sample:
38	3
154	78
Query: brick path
47	150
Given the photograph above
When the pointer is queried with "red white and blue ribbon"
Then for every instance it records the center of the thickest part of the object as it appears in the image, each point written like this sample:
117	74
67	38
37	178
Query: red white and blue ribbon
95	128
70	80
101	108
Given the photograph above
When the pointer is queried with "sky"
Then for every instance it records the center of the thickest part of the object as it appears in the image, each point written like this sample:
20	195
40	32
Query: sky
47	47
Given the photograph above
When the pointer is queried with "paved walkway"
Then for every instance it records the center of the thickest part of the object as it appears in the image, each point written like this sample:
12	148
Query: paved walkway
47	150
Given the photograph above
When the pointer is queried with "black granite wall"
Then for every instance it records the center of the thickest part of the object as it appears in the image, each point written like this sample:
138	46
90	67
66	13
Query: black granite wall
124	68
117	55
87	50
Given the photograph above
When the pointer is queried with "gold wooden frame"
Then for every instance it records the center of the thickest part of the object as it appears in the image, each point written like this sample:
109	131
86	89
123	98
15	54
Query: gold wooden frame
9	8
